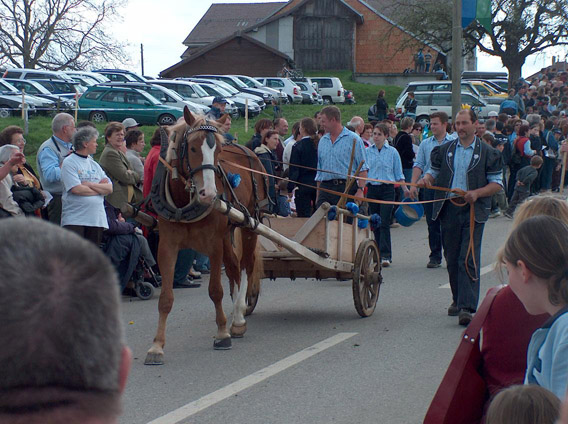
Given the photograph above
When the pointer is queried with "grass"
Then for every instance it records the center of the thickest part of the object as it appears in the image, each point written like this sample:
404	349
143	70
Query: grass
365	95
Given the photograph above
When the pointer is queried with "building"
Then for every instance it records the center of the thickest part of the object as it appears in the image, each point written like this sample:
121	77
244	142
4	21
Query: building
311	34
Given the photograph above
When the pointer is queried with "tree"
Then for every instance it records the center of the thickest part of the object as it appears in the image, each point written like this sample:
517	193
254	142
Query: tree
520	28
59	34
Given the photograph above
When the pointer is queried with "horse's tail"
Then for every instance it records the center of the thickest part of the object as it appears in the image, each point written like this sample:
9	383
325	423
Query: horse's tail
257	271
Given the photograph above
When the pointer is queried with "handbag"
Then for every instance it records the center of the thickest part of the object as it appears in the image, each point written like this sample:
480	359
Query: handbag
462	394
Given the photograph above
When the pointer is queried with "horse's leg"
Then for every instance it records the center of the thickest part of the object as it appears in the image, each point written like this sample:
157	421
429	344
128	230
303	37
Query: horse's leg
223	338
248	260
167	257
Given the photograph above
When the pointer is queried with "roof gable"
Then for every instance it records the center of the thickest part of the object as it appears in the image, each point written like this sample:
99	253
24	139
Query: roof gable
224	19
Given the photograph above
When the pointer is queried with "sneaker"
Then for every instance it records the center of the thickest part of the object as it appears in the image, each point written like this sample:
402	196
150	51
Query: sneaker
495	214
187	284
395	225
194	275
433	264
386	263
453	310
508	215
464	317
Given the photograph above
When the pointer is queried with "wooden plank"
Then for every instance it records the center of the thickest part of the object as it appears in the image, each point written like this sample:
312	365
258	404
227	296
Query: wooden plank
339	237
310	225
268	245
354	241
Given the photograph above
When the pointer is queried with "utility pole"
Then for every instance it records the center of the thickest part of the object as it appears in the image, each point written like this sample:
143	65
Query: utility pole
142	57
457	61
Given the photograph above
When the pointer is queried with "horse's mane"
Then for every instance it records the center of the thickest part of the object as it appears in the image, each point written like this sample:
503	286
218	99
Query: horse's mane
179	128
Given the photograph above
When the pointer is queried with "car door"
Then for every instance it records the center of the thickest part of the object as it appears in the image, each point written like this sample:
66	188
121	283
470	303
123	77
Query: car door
140	108
441	102
113	104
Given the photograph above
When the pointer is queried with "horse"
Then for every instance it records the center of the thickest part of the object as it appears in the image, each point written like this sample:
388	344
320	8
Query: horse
198	162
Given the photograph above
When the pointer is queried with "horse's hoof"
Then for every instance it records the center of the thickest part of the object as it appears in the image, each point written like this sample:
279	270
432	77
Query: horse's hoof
223	344
238	331
154	359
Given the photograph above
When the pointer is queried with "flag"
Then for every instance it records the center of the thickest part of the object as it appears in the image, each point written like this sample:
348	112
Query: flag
479	10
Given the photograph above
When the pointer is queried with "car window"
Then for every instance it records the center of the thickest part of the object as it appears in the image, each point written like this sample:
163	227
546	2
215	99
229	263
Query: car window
423	99
441	87
63	86
33	75
302	86
13	74
135	98
92	95
209	90
48	85
423	87
275	83
114	96
440	99
247	82
30	89
470	100
117	77
200	91
183	90
483	90
469	88
324	82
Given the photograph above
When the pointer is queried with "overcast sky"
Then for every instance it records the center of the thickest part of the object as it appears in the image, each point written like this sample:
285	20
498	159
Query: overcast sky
163	25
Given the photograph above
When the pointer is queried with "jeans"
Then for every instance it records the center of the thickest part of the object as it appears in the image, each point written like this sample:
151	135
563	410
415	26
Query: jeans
455	239
434	229
202	262
183	264
548	166
305	201
382	234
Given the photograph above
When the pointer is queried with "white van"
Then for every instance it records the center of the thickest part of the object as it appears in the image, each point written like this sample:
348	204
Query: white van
36	74
330	89
435	85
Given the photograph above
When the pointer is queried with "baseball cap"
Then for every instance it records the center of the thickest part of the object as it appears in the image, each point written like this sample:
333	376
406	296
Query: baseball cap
492	114
130	123
219	99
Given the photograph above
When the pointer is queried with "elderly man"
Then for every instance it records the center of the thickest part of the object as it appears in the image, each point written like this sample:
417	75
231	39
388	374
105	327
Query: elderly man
472	166
334	153
64	360
357	124
281	127
50	156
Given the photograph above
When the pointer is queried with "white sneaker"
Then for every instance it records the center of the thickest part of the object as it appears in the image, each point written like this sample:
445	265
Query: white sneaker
386	262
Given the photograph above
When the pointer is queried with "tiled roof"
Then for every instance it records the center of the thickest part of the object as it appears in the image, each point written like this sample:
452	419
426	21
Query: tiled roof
224	19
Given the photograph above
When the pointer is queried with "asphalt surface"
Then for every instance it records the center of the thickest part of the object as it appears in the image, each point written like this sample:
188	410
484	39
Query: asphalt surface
386	373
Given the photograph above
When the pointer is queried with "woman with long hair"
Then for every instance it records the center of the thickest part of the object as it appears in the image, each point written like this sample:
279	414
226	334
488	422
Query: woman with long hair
265	153
305	154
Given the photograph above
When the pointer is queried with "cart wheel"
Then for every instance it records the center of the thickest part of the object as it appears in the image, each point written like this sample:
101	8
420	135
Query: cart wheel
252	299
366	278
144	290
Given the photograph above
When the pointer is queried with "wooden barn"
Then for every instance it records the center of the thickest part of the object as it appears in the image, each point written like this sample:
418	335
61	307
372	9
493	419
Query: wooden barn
312	34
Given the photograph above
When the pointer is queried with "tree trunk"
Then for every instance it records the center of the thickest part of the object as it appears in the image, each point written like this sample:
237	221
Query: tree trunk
514	67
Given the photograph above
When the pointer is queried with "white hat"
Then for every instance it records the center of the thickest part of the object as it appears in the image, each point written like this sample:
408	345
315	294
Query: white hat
130	123
492	113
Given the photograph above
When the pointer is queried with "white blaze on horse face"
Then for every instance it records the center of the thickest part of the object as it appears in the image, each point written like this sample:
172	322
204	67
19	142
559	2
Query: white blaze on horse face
209	190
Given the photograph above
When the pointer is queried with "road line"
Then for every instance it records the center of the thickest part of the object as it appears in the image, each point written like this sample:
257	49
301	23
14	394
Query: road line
217	396
485	270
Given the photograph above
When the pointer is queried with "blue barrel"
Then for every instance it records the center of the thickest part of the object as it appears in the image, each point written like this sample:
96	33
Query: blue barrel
407	215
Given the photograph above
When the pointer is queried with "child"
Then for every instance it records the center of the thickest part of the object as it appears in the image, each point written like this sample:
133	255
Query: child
536	258
499	199
525	177
523	405
283	202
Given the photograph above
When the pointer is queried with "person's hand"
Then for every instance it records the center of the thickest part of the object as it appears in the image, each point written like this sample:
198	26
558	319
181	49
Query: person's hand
359	193
520	184
422	182
413	192
104	181
17	158
87	183
20	179
471	196
138	230
120	218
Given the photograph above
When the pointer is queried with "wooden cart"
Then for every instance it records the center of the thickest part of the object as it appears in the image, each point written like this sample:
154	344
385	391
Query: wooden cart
318	248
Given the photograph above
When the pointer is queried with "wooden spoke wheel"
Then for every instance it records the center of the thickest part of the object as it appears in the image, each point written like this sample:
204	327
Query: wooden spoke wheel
367	278
251	300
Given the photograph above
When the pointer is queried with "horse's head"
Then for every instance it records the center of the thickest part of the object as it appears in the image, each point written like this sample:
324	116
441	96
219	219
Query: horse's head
202	145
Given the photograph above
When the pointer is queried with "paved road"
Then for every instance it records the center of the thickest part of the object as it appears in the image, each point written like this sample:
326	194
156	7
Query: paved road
299	361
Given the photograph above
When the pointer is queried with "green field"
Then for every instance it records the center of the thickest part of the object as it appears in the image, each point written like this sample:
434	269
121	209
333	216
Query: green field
365	96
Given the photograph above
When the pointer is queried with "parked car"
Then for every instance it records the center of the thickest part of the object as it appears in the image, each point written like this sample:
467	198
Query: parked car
34	88
11	106
488	93
214	89
285	85
119	75
193	92
330	89
64	89
309	94
41	105
23	73
435	85
84	81
93	75
436	101
254	83
103	103
237	84
504	84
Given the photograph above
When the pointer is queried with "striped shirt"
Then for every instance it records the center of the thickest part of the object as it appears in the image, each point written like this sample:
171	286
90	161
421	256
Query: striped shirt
384	164
335	156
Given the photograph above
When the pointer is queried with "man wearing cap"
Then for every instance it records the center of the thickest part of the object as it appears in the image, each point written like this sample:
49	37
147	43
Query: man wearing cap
218	108
130	123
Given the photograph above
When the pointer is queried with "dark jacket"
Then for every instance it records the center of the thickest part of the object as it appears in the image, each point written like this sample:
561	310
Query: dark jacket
266	157
116	227
304	153
403	143
526	175
382	106
485	161
214	113
254	142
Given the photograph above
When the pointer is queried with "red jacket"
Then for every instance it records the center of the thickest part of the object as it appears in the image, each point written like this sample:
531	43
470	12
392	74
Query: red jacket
150	168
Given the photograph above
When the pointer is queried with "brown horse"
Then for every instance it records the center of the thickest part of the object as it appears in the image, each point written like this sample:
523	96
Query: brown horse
199	173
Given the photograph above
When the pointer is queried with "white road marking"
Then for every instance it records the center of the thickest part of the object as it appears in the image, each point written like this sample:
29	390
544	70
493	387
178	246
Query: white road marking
485	270
217	396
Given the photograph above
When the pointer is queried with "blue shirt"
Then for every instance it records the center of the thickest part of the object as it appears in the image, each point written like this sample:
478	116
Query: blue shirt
49	162
384	164
422	160
335	156
462	160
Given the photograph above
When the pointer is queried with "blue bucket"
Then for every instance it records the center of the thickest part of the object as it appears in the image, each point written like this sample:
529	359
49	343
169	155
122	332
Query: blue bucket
406	215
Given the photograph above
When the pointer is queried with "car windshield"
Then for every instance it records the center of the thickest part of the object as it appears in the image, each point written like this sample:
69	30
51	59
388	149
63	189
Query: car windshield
200	91
63	86
248	82
6	86
232	91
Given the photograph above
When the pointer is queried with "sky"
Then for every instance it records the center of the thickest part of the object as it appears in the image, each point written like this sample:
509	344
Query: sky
161	26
